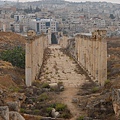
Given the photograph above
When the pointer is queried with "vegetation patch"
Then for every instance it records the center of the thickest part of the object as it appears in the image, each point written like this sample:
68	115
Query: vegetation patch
45	85
14	89
80	118
60	107
16	56
49	110
107	81
22	110
36	83
43	97
95	89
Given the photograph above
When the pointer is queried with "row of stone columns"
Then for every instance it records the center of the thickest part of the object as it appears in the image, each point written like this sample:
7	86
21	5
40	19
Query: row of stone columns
34	56
63	41
91	52
92	55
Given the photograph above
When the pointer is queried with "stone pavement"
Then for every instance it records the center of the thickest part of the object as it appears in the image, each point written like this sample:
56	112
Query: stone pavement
61	68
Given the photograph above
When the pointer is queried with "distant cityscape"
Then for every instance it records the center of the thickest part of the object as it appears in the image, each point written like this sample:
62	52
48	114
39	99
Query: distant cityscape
60	16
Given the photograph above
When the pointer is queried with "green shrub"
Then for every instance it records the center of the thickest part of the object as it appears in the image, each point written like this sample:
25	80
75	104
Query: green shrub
45	85
107	82
43	97
36	83
80	118
60	107
14	89
95	89
36	111
53	105
38	118
22	110
49	109
65	115
16	56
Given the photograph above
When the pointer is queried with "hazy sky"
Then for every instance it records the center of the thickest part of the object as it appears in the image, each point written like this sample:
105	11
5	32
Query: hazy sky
113	1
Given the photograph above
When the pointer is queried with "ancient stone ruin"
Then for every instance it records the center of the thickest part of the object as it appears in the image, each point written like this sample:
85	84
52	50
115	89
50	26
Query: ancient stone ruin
90	51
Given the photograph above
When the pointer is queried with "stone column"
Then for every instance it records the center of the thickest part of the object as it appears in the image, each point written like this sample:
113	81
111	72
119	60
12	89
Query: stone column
88	52
99	61
33	60
4	27
49	36
102	61
39	53
87	62
103	57
76	47
82	51
97	57
28	63
91	57
83	57
94	57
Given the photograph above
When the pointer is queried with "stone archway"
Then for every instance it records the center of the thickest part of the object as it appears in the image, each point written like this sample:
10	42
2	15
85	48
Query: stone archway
54	39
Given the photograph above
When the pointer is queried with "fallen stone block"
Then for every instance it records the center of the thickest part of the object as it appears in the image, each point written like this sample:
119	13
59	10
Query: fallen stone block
15	116
53	85
13	106
4	112
55	114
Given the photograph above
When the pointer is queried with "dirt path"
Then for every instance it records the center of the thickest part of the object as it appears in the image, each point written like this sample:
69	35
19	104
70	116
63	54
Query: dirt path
61	68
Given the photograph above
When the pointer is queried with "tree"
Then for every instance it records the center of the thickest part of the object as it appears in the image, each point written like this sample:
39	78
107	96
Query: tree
112	16
63	19
37	9
28	10
16	56
65	32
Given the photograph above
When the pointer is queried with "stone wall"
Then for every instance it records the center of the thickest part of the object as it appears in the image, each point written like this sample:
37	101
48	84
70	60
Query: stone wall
35	47
90	50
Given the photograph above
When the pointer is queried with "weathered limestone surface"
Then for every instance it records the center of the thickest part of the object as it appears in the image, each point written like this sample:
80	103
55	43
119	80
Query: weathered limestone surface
15	116
4	112
35	47
91	53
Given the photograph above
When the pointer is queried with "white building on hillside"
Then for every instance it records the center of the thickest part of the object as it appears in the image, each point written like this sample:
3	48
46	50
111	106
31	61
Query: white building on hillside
42	25
19	17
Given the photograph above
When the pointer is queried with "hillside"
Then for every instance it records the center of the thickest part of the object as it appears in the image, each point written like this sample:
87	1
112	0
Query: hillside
10	39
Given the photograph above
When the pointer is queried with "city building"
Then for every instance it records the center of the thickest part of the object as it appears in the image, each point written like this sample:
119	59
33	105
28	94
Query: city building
42	25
